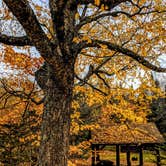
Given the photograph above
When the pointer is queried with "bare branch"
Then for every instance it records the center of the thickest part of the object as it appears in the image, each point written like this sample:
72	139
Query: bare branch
25	15
84	12
96	70
120	70
21	94
93	87
90	19
101	78
15	41
120	49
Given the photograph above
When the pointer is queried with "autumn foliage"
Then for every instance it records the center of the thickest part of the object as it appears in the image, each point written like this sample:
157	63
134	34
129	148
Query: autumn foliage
71	66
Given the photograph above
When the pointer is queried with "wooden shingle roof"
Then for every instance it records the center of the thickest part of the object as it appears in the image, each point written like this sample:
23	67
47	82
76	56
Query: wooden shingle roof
132	133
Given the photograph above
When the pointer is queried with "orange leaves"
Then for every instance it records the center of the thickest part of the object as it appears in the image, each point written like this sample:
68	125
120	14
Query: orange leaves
20	61
77	16
97	2
84	38
13	112
103	46
80	148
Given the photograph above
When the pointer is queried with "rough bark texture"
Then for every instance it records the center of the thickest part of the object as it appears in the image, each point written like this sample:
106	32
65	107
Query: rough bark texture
56	116
55	129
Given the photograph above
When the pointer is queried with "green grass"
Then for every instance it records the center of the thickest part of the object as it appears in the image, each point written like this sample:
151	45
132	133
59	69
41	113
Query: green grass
148	157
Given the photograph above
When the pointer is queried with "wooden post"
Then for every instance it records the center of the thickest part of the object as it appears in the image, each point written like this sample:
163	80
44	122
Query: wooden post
117	155
128	158
158	156
93	155
140	157
97	153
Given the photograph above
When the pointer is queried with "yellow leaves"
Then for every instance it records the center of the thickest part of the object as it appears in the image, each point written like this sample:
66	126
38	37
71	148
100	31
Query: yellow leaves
70	163
103	46
36	143
75	115
21	61
85	145
142	2
80	89
34	139
76	40
22	140
104	7
87	38
94	98
75	128
77	16
37	7
139	119
89	127
11	115
75	105
130	105
97	2
84	38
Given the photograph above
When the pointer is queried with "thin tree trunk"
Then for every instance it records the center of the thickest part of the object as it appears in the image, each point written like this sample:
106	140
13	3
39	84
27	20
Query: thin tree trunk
55	125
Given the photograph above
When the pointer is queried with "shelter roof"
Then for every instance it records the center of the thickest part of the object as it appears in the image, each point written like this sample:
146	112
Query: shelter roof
132	133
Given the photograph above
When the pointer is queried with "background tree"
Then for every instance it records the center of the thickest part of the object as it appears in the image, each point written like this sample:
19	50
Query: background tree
158	116
19	127
19	141
114	37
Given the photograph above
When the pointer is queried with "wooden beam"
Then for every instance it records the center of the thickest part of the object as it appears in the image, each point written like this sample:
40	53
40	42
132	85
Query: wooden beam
158	157
93	155
128	158
97	153
117	155
141	157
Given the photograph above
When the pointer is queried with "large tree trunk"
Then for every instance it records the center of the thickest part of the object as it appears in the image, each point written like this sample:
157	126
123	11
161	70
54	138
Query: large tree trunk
55	126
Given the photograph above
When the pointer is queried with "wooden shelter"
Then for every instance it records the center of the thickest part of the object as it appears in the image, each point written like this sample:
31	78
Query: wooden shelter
127	138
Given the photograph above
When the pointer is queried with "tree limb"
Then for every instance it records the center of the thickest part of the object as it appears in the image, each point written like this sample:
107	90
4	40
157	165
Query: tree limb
90	19
120	49
15	41
93	87
103	80
93	70
21	94
109	3
57	14
25	15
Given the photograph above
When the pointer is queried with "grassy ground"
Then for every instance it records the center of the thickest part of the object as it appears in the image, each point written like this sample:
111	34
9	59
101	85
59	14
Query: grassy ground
148	158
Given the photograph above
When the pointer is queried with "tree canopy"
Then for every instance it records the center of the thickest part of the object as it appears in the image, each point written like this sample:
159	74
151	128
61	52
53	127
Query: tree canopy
70	48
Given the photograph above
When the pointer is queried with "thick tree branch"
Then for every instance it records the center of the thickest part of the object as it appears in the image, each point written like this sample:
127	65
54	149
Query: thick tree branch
109	3
49	51
15	41
120	49
57	14
25	15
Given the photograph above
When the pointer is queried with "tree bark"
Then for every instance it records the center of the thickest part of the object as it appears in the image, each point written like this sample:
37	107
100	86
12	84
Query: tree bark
55	127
